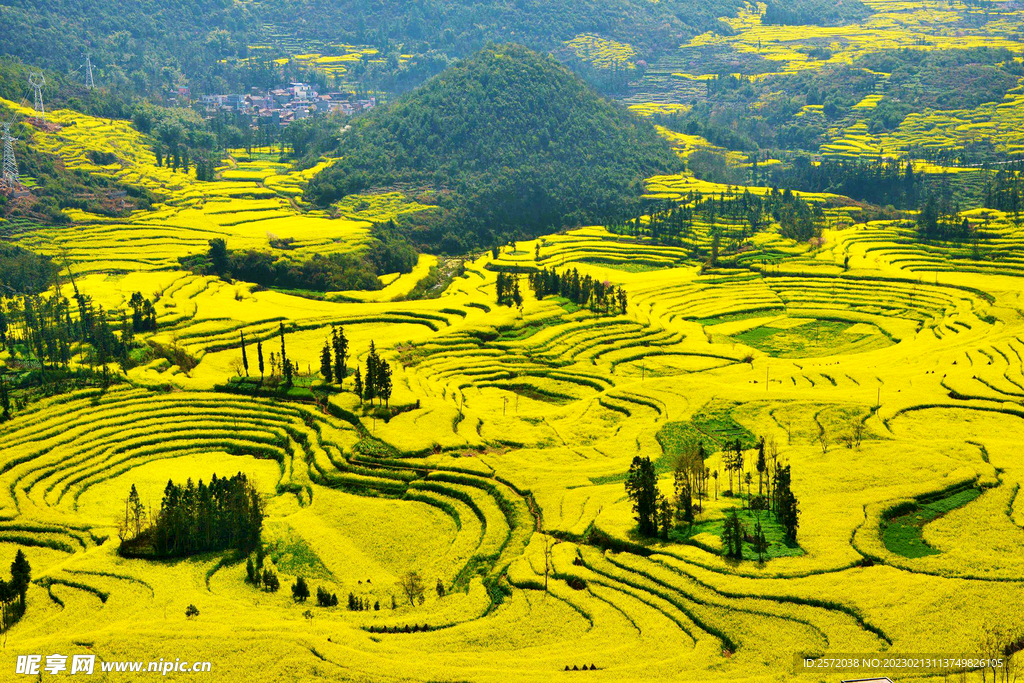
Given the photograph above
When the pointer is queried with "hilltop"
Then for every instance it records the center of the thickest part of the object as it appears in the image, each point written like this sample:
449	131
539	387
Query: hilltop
508	143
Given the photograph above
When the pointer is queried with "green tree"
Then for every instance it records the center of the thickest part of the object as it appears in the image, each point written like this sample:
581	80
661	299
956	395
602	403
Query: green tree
245	358
21	575
384	379
340	345
357	385
286	365
664	517
642	489
218	255
760	540
732	536
325	363
259	357
251	575
787	509
300	591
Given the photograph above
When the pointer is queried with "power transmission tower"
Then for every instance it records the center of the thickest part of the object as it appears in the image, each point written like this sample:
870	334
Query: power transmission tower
88	73
37	81
9	181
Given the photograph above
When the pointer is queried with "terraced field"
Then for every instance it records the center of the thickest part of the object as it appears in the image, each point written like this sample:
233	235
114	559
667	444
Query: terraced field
887	371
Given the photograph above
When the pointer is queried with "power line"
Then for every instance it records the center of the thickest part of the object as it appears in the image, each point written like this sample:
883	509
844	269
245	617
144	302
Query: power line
88	73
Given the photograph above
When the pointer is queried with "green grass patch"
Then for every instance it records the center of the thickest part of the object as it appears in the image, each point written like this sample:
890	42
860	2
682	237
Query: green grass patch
812	339
902	534
713	424
774	532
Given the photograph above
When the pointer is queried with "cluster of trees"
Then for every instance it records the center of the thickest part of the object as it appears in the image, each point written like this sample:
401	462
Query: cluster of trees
228	513
940	219
57	187
508	141
376	383
334	357
143	313
388	252
12	593
801	12
656	515
745	114
507	290
1003	188
25	272
320	273
325	598
259	575
888	182
181	158
960	78
358	604
582	291
50	331
731	214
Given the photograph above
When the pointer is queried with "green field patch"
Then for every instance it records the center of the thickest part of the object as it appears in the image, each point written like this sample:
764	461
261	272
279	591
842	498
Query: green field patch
813	338
292	555
902	532
774	532
713	424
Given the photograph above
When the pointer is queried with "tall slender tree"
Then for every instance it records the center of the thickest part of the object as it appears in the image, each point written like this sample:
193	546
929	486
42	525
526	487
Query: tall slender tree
259	357
340	345
245	358
325	364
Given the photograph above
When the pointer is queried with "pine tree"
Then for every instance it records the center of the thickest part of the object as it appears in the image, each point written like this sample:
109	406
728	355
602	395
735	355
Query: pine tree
259	357
5	401
787	510
664	517
358	385
732	536
325	364
370	379
384	379
21	576
245	359
760	540
340	345
300	591
286	365
762	465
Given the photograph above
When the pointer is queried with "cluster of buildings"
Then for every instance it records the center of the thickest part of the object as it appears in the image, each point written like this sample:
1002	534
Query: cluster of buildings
284	105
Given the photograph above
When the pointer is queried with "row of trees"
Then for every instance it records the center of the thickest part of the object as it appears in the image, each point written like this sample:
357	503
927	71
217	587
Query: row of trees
376	383
583	291
334	357
279	366
227	513
729	214
508	291
260	576
881	181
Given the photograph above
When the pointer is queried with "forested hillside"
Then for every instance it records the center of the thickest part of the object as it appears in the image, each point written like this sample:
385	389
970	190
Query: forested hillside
153	45
509	143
